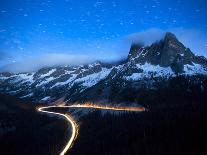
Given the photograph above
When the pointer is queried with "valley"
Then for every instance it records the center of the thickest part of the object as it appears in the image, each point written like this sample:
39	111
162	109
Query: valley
152	102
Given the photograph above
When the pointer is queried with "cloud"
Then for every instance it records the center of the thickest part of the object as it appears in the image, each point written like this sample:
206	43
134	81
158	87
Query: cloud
146	37
47	60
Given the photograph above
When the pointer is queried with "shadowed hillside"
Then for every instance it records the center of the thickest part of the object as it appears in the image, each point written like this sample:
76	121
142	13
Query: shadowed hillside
174	128
23	131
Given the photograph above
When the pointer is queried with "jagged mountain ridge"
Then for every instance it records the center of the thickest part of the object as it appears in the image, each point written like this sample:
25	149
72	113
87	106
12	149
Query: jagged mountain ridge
41	84
145	66
168	52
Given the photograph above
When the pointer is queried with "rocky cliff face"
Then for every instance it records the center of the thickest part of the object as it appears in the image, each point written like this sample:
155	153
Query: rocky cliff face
168	52
146	67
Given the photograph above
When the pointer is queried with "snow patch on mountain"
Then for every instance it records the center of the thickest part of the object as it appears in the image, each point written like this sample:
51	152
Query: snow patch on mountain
14	91
24	77
48	74
134	76
28	95
45	98
71	79
156	69
150	70
4	78
92	79
195	69
45	81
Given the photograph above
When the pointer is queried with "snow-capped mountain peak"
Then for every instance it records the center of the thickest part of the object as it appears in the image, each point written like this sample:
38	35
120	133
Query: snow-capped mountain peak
164	59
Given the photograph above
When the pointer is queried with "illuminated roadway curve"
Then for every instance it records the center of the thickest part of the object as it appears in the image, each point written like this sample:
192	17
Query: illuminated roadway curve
73	123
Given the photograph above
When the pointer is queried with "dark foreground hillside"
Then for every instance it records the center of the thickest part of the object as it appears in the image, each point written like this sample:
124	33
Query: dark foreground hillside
166	131
174	125
23	131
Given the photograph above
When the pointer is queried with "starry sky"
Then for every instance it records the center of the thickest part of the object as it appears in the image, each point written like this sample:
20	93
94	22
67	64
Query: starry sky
96	29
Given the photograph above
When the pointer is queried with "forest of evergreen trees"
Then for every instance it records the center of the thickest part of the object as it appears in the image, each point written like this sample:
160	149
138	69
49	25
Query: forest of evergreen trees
172	131
174	123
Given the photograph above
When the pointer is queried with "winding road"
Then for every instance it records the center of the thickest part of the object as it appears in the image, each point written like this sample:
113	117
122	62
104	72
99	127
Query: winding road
74	125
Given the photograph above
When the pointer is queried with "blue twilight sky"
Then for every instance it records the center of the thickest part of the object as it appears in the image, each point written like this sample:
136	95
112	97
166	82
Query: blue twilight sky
58	32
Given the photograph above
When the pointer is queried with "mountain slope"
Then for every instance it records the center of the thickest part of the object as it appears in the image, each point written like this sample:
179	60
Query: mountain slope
148	67
50	83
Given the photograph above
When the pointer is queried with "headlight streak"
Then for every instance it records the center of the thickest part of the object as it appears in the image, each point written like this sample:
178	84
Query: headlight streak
74	125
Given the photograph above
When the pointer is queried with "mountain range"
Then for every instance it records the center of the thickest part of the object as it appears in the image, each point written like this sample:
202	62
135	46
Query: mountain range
146	68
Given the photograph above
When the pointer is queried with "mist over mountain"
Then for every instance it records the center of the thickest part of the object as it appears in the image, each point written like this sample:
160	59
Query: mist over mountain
47	60
151	66
112	51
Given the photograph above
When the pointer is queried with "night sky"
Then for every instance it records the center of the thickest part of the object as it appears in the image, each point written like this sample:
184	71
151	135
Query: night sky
93	28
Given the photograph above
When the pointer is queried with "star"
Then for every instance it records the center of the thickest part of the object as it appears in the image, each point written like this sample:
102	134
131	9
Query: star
98	4
174	21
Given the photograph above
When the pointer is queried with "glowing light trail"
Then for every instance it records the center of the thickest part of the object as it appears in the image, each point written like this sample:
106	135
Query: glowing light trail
72	121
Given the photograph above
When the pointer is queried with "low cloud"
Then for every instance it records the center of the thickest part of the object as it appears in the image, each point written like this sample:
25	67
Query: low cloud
47	60
146	37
